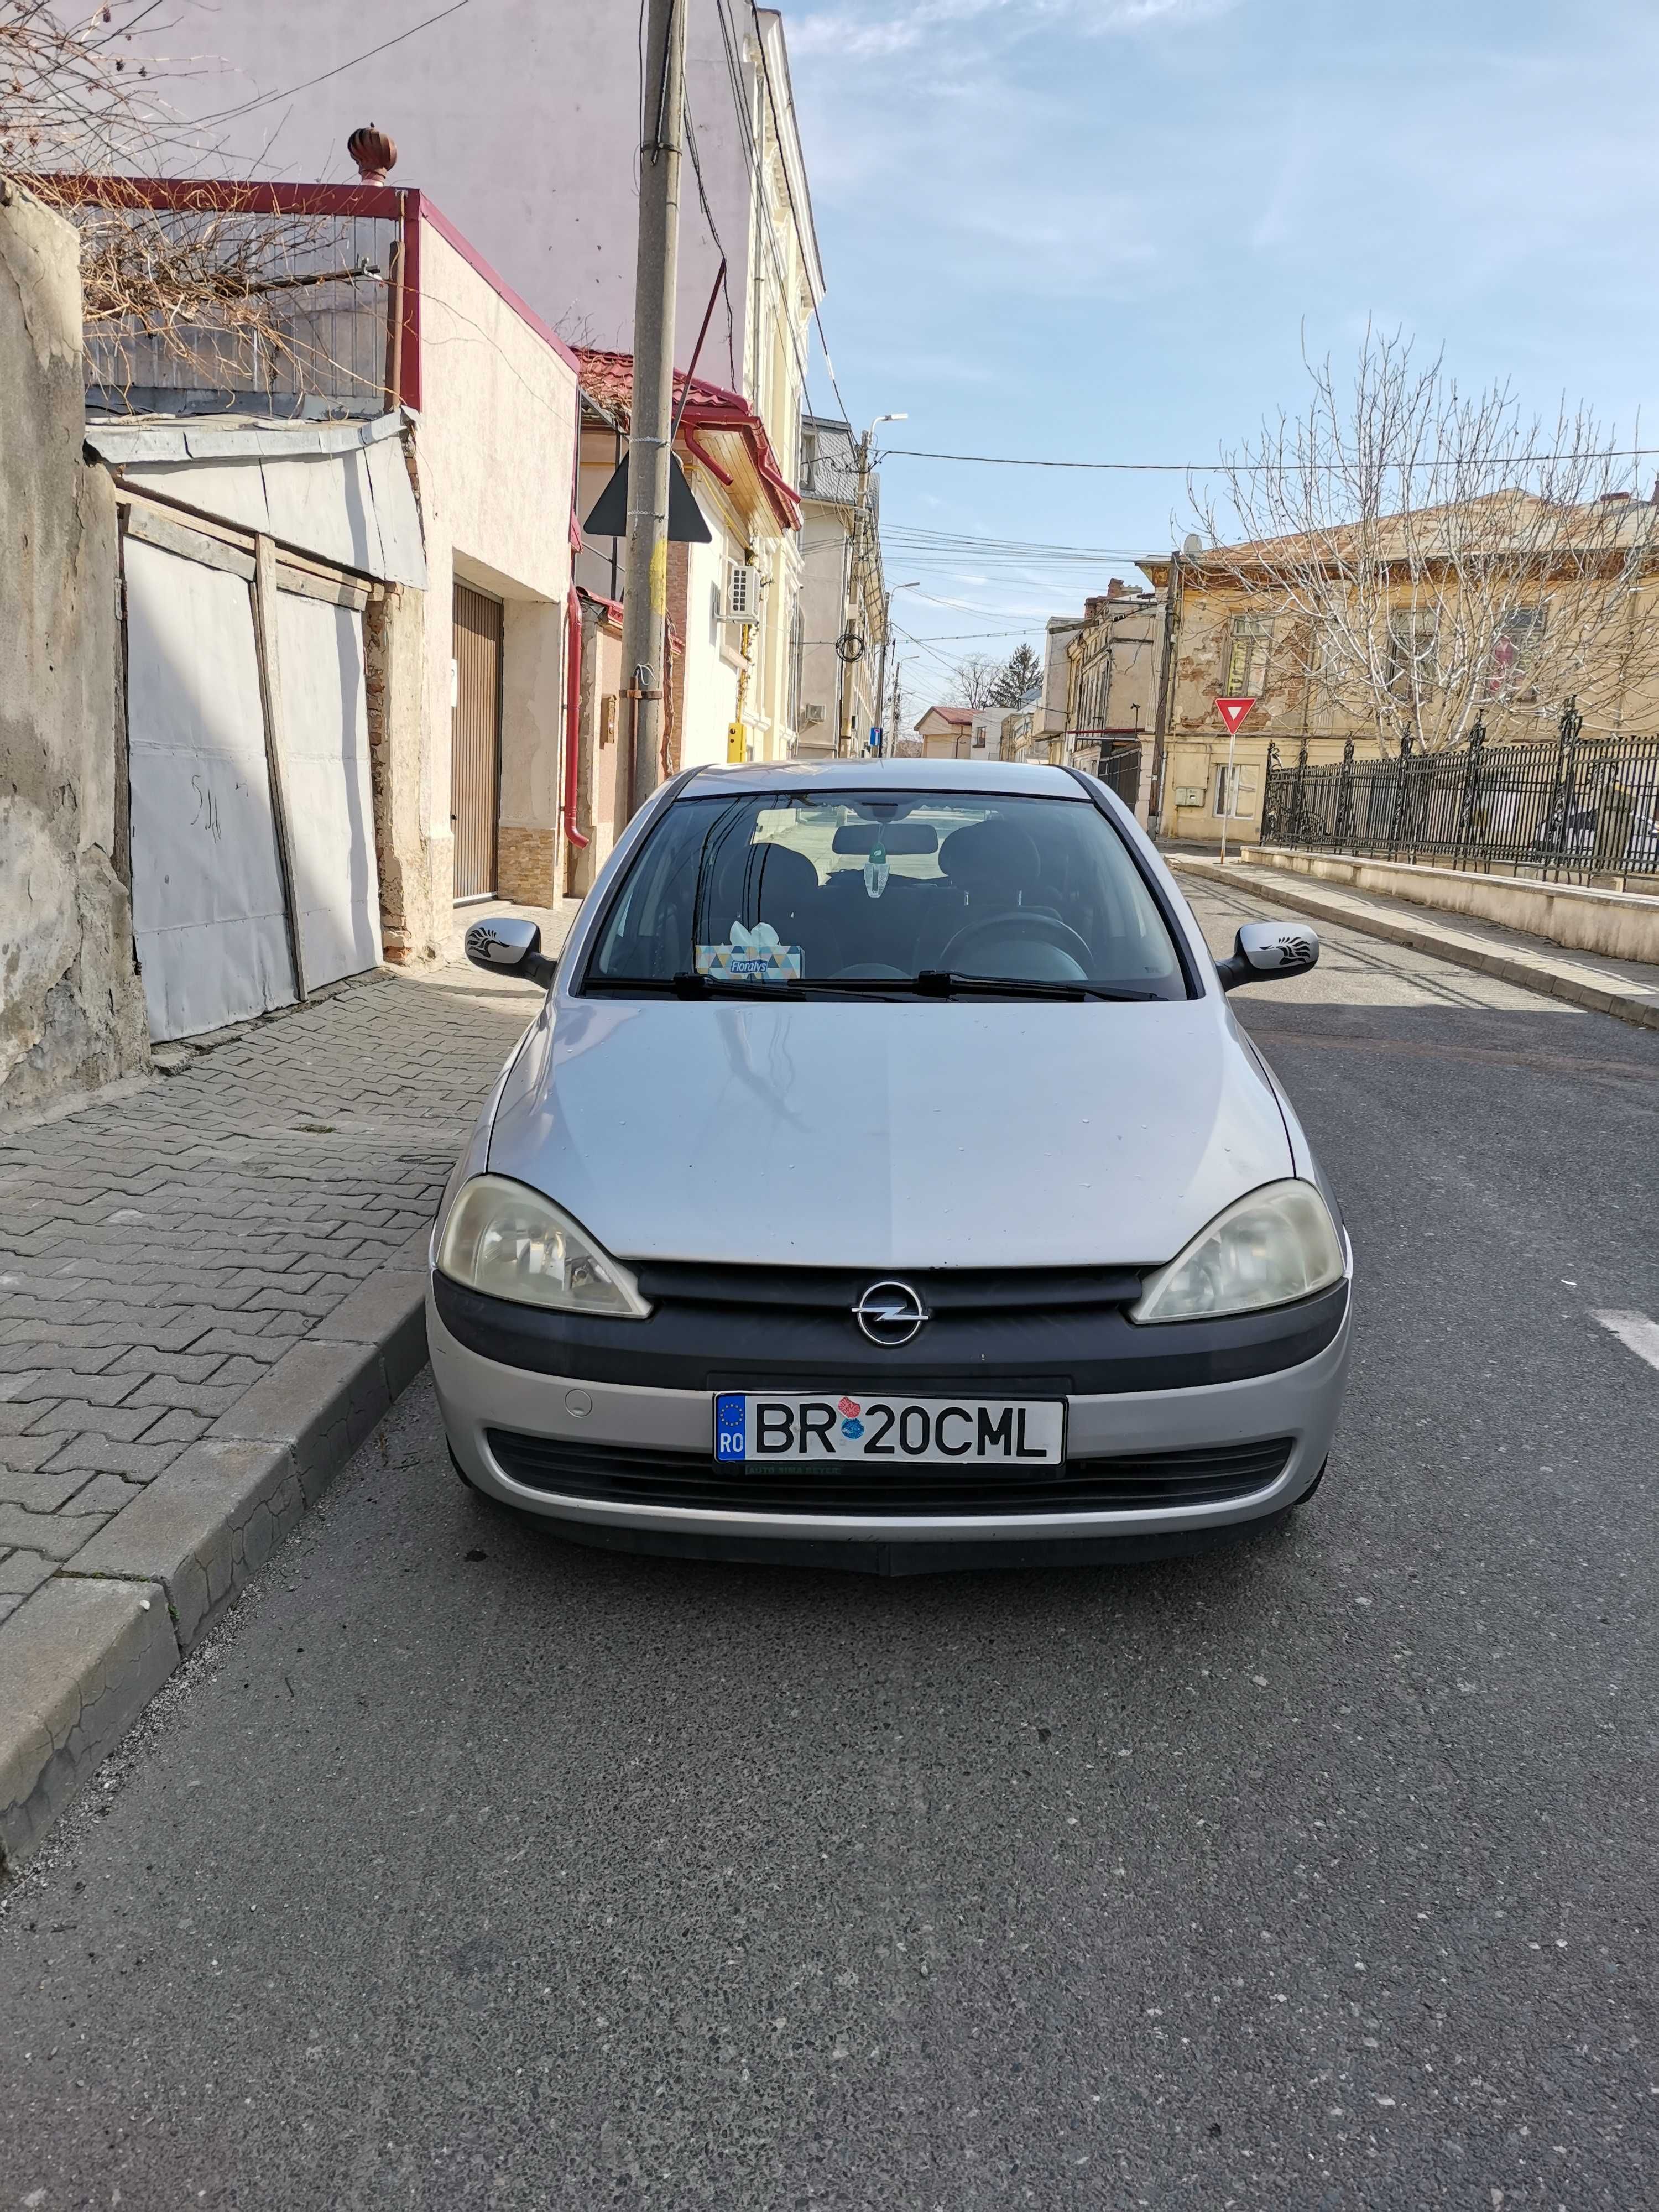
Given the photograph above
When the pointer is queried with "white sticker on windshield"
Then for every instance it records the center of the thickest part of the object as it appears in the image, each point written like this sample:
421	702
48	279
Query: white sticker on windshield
754	955
875	871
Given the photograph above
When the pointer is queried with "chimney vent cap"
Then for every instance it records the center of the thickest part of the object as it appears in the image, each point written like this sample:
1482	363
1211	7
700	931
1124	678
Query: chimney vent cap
373	150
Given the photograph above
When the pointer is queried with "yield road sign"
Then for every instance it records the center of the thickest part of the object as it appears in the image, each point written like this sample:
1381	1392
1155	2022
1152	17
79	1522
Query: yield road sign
1232	713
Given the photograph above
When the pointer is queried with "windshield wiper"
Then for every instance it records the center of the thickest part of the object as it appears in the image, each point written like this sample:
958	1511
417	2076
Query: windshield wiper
947	983
931	983
688	985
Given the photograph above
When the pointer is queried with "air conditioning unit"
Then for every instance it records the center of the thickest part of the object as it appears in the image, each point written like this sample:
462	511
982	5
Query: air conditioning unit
743	591
813	713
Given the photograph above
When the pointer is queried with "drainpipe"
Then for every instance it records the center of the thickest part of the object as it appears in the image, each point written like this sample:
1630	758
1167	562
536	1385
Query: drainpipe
572	708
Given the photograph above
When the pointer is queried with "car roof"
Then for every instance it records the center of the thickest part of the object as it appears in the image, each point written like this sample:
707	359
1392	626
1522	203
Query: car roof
1020	778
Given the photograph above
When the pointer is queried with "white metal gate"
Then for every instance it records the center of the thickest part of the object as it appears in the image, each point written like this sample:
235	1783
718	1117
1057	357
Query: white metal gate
252	833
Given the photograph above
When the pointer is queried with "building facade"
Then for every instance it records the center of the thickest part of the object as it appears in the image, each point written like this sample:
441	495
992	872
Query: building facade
946	732
1114	660
843	608
346	572
722	631
558	90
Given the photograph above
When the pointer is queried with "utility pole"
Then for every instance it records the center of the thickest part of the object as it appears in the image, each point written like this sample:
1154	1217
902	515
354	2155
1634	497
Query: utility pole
889	732
864	547
645	590
853	607
881	680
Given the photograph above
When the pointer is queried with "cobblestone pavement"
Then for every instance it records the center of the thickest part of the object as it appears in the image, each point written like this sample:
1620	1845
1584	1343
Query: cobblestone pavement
159	1251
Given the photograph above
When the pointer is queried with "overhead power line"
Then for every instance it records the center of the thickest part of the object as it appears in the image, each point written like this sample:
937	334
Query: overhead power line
265	99
968	636
801	230
927	547
1254	468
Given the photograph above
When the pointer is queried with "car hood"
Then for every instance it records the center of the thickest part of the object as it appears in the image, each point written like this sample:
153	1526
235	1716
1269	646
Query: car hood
881	1135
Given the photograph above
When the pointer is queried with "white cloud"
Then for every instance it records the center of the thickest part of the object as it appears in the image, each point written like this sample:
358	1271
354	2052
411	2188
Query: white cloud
859	35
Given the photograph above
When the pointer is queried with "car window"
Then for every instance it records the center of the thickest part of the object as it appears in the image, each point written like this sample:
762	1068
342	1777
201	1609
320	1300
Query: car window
779	890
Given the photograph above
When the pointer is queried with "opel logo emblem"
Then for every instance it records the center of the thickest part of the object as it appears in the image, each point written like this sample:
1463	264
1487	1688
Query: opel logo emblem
890	1313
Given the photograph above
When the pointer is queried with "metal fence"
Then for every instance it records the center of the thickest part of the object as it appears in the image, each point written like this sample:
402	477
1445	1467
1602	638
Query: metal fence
303	329
1564	812
1118	766
203	296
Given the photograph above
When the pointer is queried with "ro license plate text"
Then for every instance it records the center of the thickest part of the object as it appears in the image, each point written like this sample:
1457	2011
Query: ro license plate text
755	1428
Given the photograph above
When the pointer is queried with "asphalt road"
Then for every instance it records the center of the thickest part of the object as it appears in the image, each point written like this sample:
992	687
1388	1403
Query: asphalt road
468	1867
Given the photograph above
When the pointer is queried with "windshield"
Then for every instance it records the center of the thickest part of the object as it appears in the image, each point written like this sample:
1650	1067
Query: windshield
775	892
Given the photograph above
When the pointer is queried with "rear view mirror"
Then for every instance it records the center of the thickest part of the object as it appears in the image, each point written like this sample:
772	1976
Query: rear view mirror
504	943
893	837
1264	951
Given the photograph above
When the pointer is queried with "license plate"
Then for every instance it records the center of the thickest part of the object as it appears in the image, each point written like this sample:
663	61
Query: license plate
760	1429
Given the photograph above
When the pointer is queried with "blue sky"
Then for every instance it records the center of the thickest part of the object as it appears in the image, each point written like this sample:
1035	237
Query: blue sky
1100	228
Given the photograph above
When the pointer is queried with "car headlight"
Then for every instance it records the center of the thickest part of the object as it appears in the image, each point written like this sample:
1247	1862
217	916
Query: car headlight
1277	1245
509	1242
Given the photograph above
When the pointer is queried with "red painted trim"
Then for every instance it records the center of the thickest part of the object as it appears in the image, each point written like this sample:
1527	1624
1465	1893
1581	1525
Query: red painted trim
689	438
384	203
573	710
475	260
410	362
705	406
609	610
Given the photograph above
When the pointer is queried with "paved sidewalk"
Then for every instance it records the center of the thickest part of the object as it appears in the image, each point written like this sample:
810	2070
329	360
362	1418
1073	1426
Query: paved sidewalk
1628	989
209	1292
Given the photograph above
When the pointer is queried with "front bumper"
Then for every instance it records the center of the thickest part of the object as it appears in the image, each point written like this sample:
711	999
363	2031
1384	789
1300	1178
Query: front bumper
477	1393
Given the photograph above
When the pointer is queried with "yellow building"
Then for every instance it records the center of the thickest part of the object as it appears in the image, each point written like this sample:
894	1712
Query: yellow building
1411	626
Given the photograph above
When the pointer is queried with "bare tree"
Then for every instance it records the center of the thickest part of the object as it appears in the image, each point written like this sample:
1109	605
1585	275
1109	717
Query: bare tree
974	680
234	295
1431	559
74	94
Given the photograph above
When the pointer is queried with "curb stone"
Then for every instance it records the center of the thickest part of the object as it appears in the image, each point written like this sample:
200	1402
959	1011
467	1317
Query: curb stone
83	1655
1553	973
81	1661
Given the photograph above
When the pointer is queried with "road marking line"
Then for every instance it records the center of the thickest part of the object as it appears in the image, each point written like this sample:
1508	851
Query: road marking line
1636	1331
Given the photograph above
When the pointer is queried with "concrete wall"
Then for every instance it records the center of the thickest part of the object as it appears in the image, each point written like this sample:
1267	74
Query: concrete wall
495	450
1623	925
1058	634
825	559
709	681
601	735
395	657
71	1013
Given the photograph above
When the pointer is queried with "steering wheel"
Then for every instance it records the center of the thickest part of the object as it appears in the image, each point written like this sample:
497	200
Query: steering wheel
1018	921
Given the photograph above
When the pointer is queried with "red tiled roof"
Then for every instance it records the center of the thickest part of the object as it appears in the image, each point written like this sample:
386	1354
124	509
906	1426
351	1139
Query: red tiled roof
960	715
609	379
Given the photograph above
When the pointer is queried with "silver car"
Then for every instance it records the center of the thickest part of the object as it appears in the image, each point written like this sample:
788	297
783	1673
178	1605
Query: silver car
886	1182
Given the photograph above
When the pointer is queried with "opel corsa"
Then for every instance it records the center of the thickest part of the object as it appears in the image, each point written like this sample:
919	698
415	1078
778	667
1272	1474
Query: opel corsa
885	1181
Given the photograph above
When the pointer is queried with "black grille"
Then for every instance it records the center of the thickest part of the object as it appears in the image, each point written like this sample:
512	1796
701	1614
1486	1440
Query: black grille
996	1291
617	1475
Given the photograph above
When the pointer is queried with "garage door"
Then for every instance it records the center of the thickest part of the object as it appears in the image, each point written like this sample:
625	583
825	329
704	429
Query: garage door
326	776
208	916
219	906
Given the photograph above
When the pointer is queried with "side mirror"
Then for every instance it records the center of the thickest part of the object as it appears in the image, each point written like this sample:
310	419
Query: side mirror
1264	951
504	942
